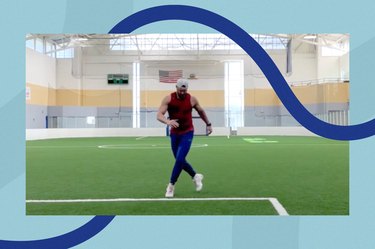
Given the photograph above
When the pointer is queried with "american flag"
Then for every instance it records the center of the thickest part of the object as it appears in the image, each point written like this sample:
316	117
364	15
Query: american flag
169	76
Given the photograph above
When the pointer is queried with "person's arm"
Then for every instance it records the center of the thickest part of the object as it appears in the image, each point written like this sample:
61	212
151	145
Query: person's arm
161	113
202	114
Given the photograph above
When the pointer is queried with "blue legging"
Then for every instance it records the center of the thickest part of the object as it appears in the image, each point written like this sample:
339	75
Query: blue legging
180	146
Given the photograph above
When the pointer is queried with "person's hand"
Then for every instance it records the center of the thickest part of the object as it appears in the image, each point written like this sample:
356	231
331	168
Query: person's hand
209	129
173	123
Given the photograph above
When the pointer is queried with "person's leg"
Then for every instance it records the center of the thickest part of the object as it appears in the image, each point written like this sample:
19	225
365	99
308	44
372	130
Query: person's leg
186	144
174	146
186	166
181	149
175	141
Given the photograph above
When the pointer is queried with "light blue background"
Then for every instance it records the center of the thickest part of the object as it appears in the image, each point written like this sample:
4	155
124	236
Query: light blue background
199	232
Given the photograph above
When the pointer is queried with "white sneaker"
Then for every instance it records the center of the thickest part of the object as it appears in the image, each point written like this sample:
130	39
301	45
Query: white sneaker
170	191
198	182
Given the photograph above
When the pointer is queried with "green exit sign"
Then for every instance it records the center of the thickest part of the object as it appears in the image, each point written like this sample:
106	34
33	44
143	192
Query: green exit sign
118	78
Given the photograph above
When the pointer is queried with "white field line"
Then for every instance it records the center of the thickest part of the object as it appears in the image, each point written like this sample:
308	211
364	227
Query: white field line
279	208
275	203
139	138
143	146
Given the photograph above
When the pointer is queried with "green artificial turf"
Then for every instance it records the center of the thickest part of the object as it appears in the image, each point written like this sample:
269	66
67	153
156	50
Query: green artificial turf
308	175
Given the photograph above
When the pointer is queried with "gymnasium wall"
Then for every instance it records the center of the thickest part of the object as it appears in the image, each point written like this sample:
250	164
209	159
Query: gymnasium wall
55	91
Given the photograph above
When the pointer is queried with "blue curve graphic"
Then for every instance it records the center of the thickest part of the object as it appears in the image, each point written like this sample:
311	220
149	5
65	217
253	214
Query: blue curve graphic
73	238
261	58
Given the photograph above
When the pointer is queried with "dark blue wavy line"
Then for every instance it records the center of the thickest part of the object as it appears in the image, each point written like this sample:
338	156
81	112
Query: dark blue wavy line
261	58
70	239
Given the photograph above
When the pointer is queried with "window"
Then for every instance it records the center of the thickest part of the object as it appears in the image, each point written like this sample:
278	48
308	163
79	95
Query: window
65	53
337	49
42	45
50	49
155	42
30	43
39	47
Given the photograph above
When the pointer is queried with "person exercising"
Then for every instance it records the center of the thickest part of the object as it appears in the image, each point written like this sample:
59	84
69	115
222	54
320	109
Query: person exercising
179	105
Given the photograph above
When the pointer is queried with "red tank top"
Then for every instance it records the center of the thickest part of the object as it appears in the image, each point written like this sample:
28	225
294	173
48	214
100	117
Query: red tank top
181	110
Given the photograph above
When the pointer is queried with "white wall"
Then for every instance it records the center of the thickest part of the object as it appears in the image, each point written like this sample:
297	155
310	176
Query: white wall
304	68
209	70
37	134
210	76
64	77
328	67
344	65
40	69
